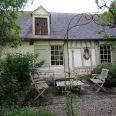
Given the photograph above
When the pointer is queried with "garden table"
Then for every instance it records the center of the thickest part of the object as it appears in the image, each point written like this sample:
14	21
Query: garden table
75	84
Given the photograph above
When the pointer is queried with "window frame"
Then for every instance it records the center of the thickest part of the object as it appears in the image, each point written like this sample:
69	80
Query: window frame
56	52
41	18
105	53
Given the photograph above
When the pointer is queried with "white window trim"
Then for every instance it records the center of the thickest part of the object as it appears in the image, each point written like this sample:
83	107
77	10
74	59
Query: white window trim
50	57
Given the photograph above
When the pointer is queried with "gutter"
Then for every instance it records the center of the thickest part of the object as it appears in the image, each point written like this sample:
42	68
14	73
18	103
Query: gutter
96	39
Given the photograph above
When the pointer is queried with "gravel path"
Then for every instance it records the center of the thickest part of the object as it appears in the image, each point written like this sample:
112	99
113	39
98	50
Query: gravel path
103	107
89	103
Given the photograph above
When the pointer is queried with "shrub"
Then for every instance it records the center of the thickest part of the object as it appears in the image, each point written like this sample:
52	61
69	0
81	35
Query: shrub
98	68
26	111
111	78
45	112
14	77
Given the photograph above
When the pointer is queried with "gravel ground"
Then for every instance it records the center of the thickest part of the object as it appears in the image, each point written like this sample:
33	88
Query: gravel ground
103	107
89	103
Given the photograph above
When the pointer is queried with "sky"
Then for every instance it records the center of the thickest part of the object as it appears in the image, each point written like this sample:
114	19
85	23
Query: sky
67	6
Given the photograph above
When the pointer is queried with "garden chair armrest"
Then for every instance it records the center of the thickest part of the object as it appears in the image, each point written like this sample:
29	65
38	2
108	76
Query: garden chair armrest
38	82
95	74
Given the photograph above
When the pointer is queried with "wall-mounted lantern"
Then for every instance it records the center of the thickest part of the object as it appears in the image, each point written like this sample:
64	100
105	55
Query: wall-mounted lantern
31	42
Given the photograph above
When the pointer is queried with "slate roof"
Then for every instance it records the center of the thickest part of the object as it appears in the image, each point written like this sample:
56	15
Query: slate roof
59	24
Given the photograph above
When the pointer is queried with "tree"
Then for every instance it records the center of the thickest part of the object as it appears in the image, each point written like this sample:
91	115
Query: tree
9	31
108	16
108	19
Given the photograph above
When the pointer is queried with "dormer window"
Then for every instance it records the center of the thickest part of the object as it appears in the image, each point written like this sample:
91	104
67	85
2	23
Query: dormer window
41	26
41	19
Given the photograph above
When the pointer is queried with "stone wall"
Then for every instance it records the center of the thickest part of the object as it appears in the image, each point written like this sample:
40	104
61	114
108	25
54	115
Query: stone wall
48	75
83	71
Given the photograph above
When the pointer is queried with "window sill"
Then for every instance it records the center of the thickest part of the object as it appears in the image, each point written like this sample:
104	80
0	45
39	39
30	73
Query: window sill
40	36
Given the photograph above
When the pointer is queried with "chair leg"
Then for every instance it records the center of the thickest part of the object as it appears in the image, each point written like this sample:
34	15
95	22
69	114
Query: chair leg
94	85
40	93
80	88
98	89
54	83
101	87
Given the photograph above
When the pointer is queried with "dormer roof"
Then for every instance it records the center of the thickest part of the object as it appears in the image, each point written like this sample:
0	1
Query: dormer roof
40	11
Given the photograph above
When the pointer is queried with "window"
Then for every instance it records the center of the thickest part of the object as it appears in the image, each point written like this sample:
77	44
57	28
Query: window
105	54
41	27
56	55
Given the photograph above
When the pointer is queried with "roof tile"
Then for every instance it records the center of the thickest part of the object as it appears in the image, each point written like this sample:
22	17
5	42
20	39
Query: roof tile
85	28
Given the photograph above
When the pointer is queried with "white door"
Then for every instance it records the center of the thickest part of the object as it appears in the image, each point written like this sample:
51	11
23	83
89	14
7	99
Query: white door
44	54
77	57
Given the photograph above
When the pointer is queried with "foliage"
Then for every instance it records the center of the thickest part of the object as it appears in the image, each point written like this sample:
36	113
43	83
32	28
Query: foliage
108	18
9	31
98	68
14	77
89	77
28	111
25	111
78	79
111	79
69	106
110	15
45	112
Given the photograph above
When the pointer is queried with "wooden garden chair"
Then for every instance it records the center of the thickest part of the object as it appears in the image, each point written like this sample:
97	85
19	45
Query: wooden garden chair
99	79
39	85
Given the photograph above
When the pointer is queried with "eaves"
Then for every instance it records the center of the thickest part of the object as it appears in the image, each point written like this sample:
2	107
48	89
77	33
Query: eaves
96	39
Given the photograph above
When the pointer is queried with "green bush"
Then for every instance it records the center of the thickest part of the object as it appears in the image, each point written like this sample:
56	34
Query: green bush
98	68
45	112
14	76
26	111
111	78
